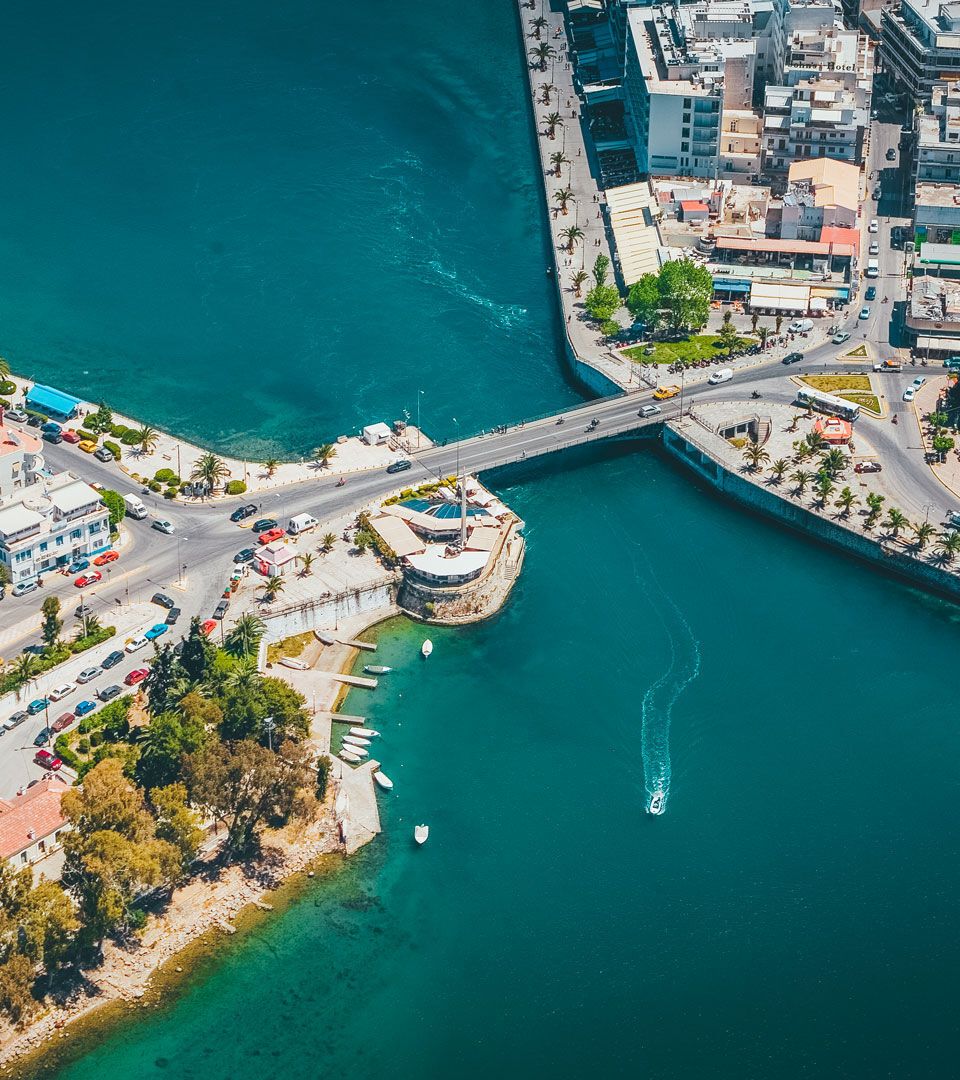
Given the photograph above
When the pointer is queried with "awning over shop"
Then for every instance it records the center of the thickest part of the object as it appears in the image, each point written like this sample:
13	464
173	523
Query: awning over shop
722	284
777	297
817	303
632	210
939	344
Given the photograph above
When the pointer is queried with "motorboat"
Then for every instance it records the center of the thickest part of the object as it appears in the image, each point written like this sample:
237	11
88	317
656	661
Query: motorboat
377	669
355	740
420	833
426	648
364	732
324	638
383	781
656	803
349	756
360	751
293	662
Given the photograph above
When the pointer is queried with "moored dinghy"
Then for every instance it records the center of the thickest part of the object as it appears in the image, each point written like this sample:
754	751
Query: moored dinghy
359	751
426	648
377	669
324	638
420	833
383	780
355	740
350	757
364	732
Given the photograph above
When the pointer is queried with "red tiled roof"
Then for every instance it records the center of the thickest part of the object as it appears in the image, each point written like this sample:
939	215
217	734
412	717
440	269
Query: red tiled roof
694	204
834	234
37	810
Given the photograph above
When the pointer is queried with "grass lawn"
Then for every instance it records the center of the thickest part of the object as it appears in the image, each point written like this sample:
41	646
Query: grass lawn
830	384
870	402
698	347
291	646
860	350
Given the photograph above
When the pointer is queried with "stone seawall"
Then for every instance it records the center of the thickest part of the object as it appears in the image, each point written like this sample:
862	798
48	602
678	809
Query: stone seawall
768	502
326	614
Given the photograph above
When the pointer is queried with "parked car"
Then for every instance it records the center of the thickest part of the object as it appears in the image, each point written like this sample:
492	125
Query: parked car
46	760
18	416
84	707
71	437
77	566
112	660
865	313
137	643
221	609
136	676
399	466
156	630
874	226
793	358
172	615
88	579
877	194
874	247
23	587
106	557
162	599
840	338
871	293
43	736
650	410
108	693
910	393
62	722
263	524
37	706
243	512
35	420
208	626
270	535
244	556
89	674
88	446
60	692
16	720
164	526
867	467
52	437
919	381
51	427
891	154
664	393
103	454
800	326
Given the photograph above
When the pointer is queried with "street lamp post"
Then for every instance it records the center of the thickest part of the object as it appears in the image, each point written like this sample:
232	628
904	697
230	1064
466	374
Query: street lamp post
269	724
457	422
181	566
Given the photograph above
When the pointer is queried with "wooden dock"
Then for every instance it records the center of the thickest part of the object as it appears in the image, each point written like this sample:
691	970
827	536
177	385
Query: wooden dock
370	646
342	718
349	680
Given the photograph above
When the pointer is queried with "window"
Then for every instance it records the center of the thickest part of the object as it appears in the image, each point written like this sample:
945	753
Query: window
685	134
23	857
684	147
76	534
96	526
43	546
59	541
22	556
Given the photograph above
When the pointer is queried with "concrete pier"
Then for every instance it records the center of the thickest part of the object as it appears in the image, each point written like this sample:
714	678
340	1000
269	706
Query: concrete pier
360	817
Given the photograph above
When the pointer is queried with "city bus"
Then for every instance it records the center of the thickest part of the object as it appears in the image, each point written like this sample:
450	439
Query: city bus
827	403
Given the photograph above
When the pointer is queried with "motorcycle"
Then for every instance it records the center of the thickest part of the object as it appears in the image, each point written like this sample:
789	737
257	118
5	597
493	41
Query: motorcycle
756	394
560	420
341	482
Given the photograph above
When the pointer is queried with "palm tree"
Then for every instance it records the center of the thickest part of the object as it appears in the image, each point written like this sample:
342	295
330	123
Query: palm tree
93	626
815	440
875	502
541	54
275	588
948	545
547	89
923	532
553	121
324	454
538	24
578	279
803	450
794	423
809	411
834	462
557	159
147	439
754	320
4	368
778	468
245	636
801	478
779	322
271	465
244	674
896	520
763	333
572	233
846	500
25	668
326	544
825	488
210	470
563	196
756	456
306	562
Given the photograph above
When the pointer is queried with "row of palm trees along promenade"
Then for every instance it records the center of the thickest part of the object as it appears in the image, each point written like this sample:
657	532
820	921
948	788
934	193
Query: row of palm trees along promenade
573	197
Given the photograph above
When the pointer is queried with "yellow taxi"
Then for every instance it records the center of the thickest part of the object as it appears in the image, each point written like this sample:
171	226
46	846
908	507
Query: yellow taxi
87	446
662	393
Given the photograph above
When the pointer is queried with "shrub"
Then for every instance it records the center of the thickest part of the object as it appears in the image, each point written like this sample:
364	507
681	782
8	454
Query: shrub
184	487
113	448
66	752
98	637
235	487
7	387
118	430
130	437
166	476
96	737
171	493
154	485
87	436
5	403
83	745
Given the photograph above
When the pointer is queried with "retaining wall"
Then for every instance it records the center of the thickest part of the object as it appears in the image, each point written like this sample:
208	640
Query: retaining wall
326	614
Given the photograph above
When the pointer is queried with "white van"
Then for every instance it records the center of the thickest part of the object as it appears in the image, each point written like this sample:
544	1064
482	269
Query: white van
135	507
301	523
873	268
723	375
800	326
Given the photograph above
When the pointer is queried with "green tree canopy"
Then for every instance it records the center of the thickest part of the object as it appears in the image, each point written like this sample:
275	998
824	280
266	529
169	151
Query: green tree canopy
601	264
601	302
686	290
52	624
643	300
113	501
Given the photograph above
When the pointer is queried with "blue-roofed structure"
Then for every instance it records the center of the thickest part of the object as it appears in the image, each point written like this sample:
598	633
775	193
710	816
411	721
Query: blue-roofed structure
51	402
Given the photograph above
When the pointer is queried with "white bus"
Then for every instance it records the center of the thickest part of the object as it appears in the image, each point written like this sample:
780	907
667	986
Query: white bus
827	403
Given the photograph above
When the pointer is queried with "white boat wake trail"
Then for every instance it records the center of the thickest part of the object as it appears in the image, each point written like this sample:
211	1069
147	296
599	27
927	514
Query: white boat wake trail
656	708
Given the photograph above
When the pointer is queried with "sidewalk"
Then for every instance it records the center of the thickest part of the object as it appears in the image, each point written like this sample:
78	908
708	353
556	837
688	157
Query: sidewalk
926	402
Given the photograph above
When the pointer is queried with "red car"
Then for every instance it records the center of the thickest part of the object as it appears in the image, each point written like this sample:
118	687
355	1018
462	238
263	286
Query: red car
270	535
106	557
88	579
137	676
46	760
70	436
62	722
867	466
208	626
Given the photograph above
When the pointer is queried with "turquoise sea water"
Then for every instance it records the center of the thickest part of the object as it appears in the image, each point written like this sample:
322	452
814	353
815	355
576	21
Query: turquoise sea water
337	205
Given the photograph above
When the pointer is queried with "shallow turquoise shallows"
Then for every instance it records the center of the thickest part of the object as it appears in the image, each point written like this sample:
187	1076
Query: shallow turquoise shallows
285	219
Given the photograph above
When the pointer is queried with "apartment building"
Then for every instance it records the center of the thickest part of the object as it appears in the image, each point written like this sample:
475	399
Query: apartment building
920	46
822	193
937	137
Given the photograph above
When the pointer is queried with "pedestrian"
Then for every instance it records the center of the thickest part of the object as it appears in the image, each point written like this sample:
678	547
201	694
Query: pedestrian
579	152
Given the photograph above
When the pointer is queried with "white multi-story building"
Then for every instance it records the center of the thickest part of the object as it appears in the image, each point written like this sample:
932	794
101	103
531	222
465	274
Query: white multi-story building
815	118
937	137
920	45
56	522
21	460
821	194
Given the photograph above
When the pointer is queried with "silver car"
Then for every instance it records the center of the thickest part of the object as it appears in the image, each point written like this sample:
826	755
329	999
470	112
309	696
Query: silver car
89	674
